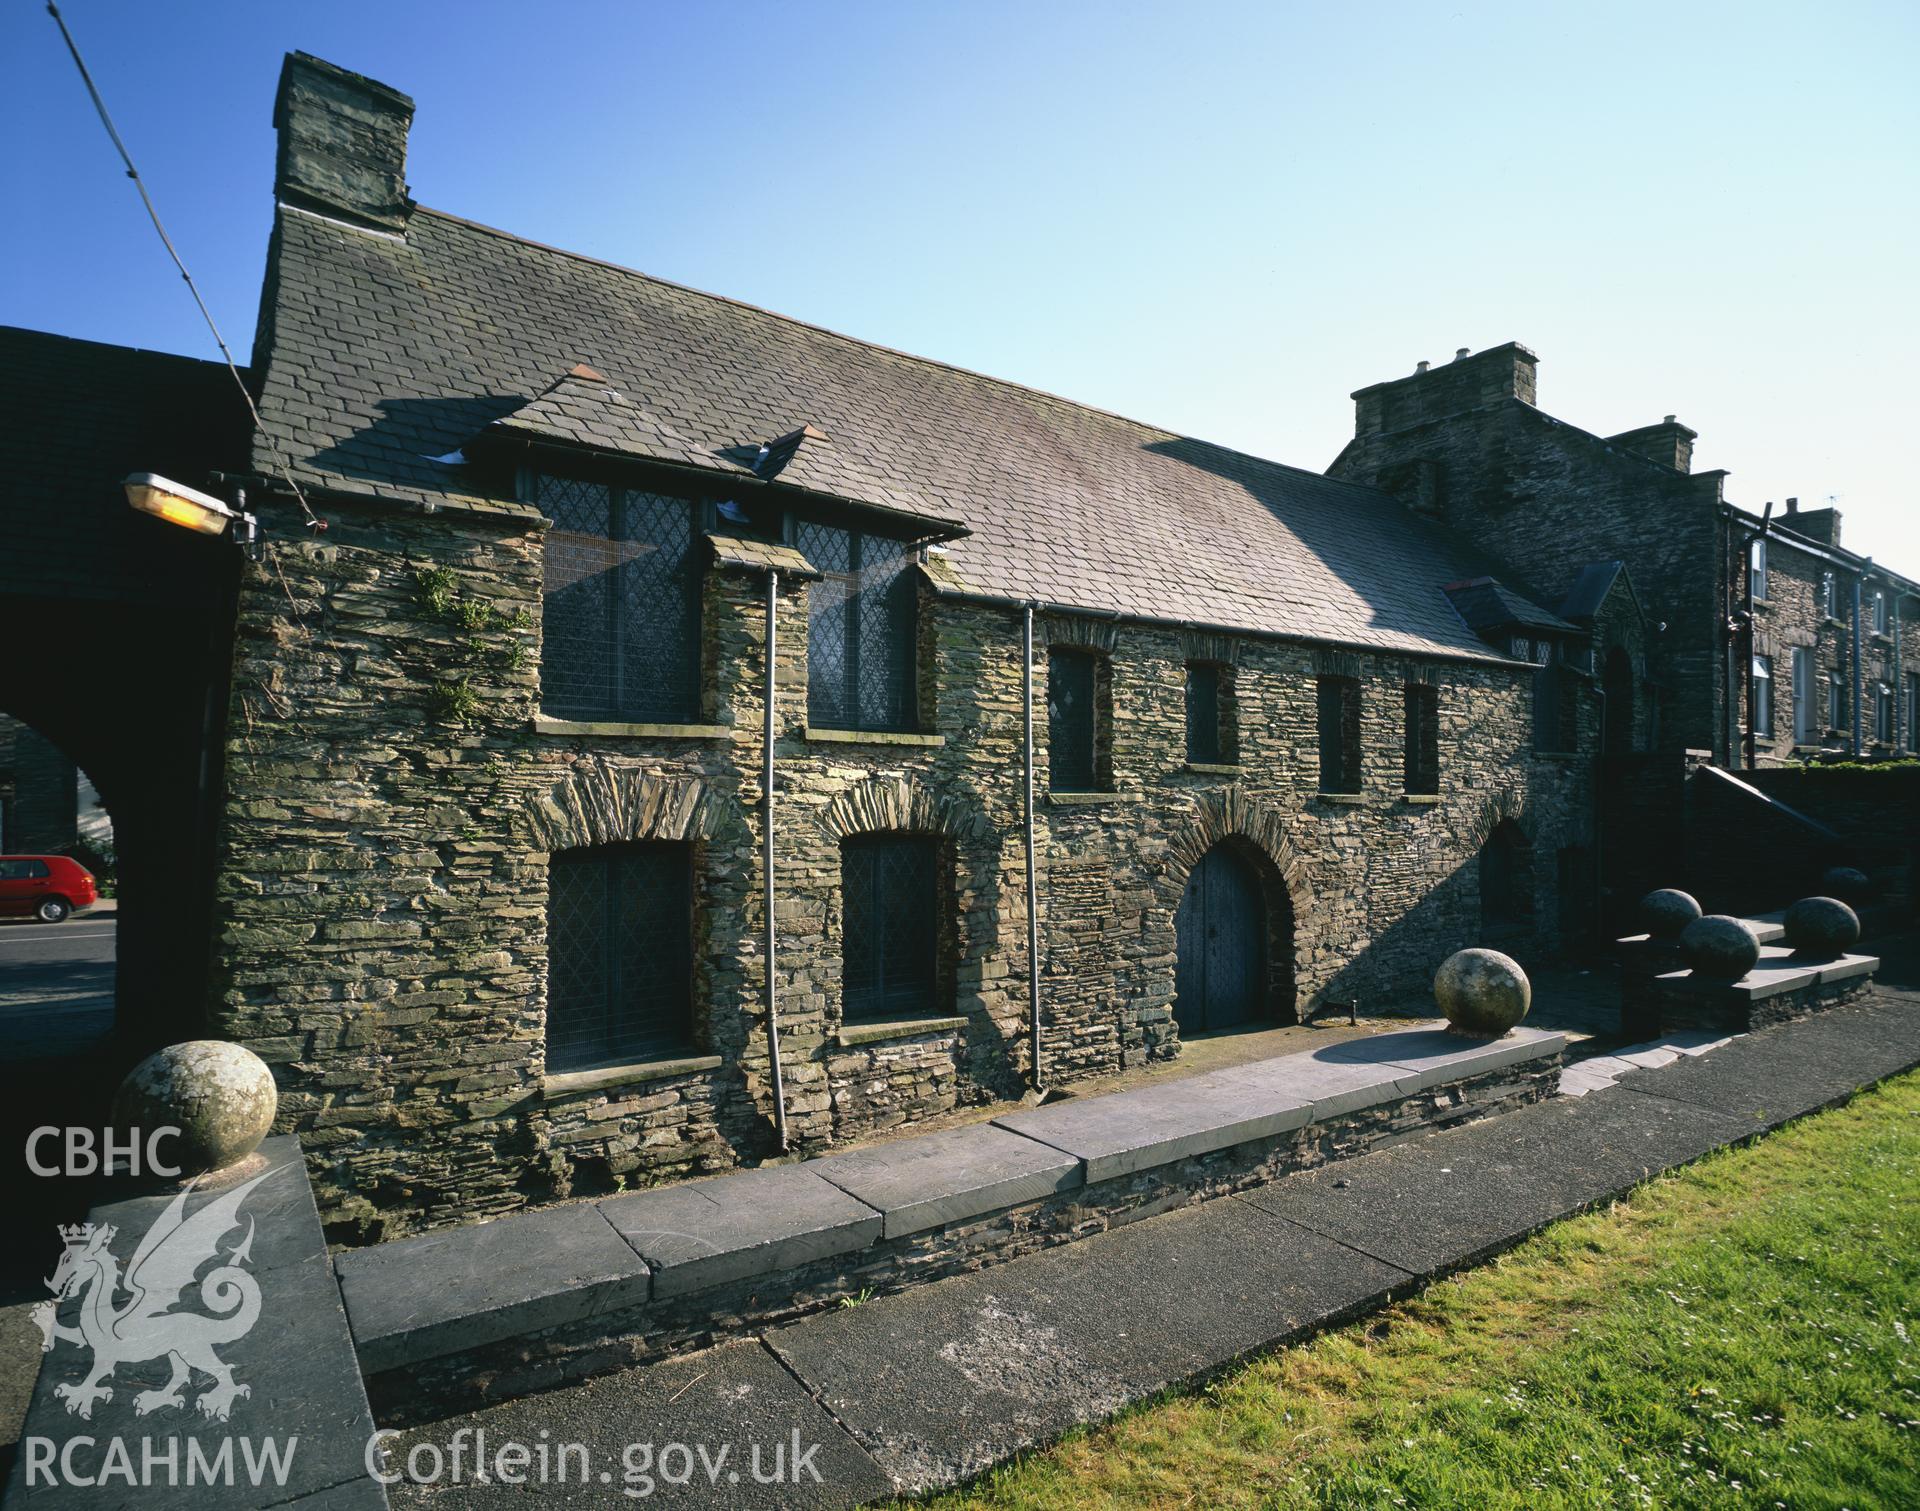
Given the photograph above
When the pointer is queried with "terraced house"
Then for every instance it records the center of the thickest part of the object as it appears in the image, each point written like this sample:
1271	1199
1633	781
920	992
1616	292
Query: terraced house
633	777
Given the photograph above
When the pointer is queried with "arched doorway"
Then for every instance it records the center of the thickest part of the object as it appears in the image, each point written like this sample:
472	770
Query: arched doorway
1506	882
1618	682
1223	947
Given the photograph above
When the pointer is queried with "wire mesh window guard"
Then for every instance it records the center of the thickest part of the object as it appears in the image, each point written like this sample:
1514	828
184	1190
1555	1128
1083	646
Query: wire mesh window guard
1072	723
621	631
860	630
1339	699
1204	742
1423	739
619	955
890	886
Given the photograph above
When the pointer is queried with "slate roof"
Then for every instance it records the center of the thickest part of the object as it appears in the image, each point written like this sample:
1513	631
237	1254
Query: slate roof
1488	604
1590	589
381	352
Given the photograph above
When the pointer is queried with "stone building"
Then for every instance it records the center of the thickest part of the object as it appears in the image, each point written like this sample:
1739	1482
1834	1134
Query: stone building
493	893
1822	649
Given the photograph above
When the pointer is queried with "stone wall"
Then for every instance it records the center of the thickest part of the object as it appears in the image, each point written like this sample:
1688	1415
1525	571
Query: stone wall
394	799
1465	443
1793	614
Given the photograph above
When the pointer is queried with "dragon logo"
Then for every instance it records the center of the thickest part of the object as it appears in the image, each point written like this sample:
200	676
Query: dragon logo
146	1326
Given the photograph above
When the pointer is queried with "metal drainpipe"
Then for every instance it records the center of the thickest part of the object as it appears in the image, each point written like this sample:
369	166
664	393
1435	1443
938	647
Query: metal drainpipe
766	867
1858	687
1033	879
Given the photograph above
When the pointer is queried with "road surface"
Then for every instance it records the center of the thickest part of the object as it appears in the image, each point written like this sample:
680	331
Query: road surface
56	983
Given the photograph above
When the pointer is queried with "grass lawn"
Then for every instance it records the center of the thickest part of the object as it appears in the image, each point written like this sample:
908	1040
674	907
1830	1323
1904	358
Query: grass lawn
1741	1333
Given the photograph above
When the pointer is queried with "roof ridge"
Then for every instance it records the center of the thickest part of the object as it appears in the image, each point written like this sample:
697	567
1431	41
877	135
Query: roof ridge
878	346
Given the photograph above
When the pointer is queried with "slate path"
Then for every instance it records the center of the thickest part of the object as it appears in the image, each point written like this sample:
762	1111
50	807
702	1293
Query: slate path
934	1385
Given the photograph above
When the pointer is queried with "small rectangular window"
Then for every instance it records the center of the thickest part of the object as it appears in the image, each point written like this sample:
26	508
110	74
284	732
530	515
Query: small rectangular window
891	931
1913	712
1556	712
1074	720
1763	697
1423	739
1883	714
1829	601
1879	613
1803	676
1757	567
1339	720
1837	700
1205	734
619	955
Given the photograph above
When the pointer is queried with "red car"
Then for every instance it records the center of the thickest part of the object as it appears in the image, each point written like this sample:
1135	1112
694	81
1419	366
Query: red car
46	887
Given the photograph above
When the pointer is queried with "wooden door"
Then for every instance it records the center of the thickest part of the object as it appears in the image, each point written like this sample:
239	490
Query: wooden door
1220	936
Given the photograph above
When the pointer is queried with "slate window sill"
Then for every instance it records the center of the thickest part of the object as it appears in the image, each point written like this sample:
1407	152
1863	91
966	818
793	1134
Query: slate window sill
851	1035
1214	768
1420	799
873	737
1090	799
620	730
571	1082
1342	799
1556	755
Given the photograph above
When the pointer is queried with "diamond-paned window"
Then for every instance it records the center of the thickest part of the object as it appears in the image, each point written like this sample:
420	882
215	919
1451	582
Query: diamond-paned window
621	632
890	940
860	630
619	955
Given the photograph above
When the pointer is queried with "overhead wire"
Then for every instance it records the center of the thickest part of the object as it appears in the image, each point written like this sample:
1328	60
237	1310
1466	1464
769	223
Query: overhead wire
313	521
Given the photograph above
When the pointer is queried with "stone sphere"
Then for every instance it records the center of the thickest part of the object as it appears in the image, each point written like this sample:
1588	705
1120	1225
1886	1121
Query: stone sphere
1667	912
1822	927
1847	884
1482	992
1719	948
220	1096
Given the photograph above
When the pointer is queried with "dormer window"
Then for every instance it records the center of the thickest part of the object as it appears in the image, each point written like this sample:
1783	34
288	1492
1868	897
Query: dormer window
620	632
861	626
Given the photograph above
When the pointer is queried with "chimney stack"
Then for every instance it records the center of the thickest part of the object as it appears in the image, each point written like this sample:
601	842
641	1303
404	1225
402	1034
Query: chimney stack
343	144
1822	525
1669	443
1476	380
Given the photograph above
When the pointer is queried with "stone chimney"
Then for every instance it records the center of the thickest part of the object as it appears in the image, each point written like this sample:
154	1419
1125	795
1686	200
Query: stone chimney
1822	525
1472	380
343	144
1669	443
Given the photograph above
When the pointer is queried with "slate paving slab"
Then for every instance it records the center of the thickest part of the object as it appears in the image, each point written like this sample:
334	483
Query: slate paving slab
1158	1125
1433	1054
727	1399
296	1362
940	1383
751	1222
419	1298
949	1176
1767	1078
1433	1204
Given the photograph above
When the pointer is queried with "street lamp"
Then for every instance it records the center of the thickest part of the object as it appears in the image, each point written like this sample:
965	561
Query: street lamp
178	504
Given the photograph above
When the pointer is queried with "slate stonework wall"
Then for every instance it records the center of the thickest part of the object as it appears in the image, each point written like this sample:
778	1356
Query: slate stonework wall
392	809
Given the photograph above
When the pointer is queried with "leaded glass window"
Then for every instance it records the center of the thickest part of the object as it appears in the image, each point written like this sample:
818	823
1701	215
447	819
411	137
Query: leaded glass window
1422	739
1072	722
619	954
860	630
890	942
1205	731
621	632
1339	711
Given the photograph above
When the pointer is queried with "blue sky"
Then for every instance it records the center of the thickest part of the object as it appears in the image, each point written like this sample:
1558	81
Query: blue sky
1220	218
